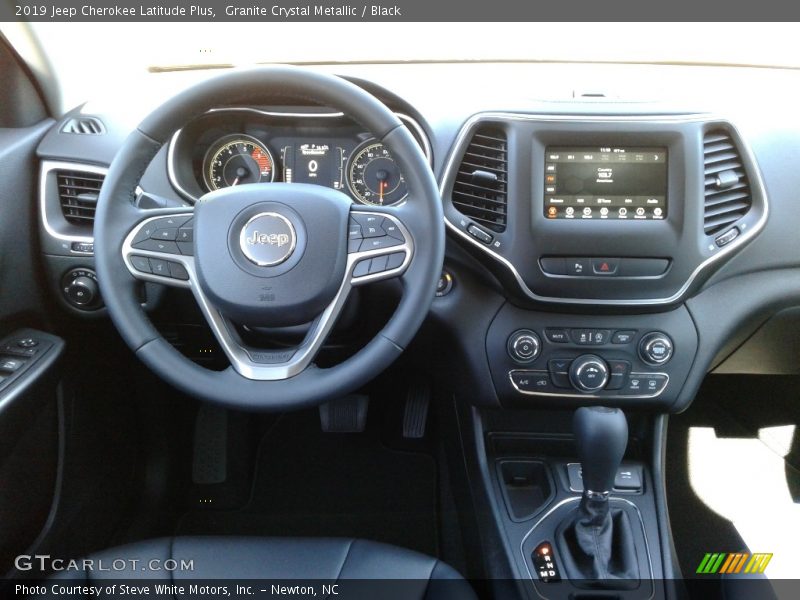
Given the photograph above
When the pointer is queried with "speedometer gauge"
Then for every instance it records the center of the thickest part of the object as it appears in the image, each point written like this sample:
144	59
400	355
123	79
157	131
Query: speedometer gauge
237	159
374	177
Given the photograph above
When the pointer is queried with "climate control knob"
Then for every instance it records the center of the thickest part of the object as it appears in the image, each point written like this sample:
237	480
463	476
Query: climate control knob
524	346
588	373
655	348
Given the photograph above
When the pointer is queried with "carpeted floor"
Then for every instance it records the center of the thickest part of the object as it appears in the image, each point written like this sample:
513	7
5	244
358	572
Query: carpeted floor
310	483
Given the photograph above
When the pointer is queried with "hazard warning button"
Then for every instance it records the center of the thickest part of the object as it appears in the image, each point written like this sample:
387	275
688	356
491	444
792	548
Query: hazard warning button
605	266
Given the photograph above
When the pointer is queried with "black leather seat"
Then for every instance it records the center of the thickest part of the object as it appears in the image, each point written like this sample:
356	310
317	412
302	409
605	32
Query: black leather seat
361	568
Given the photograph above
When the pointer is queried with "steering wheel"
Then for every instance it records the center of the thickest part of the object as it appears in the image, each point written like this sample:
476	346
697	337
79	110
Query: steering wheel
268	254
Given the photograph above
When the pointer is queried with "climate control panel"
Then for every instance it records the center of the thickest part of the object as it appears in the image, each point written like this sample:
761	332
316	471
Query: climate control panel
580	359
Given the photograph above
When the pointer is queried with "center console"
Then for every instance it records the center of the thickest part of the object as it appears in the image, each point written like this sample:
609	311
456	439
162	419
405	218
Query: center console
597	229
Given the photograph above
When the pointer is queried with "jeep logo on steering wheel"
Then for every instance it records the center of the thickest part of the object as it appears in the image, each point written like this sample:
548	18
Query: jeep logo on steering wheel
268	239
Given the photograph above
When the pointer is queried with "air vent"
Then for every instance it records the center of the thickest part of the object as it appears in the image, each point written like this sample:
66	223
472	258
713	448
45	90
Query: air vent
480	187
84	126
727	189
78	192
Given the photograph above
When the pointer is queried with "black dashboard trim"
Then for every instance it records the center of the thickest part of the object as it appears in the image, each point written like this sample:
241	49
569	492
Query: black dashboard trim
462	139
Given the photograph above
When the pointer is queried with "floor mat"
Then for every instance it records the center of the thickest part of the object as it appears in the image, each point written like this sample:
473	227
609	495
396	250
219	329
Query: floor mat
310	483
731	476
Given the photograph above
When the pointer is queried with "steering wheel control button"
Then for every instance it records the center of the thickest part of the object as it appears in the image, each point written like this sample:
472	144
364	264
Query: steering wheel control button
623	337
605	266
524	346
590	337
378	264
370	225
165	247
362	267
268	239
588	373
557	336
185	234
159	267
169	234
141	264
186	248
655	348
396	259
178	271
378	243
532	381
391	229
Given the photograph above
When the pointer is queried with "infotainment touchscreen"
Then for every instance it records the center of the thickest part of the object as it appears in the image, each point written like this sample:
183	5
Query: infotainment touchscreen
605	183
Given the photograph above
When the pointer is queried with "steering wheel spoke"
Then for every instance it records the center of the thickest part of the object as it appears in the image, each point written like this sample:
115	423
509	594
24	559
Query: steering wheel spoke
160	248
379	245
273	364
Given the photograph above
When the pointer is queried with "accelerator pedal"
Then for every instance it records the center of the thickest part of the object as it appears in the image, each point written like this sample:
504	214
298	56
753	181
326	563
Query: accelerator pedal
415	415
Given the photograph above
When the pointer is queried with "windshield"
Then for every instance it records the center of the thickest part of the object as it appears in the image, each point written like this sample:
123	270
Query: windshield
116	50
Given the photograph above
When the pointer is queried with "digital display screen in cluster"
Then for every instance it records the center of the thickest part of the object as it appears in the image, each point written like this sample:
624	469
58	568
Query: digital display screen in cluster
605	183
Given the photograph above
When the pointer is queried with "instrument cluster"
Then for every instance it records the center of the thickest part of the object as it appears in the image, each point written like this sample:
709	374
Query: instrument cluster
238	146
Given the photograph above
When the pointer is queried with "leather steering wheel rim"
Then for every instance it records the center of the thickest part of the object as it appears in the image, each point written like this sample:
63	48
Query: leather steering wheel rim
421	214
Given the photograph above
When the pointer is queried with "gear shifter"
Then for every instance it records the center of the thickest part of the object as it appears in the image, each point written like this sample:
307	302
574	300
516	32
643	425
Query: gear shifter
596	542
601	435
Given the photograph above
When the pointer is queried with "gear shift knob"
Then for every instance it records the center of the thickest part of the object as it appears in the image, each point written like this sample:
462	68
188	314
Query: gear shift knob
601	435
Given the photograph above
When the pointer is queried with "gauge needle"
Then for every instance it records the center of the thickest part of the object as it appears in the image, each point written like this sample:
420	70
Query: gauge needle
382	176
235	181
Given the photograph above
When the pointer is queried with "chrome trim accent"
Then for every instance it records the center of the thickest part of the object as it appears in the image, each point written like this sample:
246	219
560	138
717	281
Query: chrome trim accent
616	491
409	121
747	155
576	500
566	394
238	354
58	230
243	240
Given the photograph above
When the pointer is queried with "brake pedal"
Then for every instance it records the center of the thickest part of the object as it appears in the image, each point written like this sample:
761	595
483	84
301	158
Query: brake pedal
415	415
345	415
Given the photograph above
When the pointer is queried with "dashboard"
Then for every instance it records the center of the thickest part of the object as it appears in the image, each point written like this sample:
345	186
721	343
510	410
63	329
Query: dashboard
592	242
241	145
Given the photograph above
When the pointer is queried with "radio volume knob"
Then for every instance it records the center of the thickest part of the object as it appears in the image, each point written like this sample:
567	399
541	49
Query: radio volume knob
524	346
588	373
655	348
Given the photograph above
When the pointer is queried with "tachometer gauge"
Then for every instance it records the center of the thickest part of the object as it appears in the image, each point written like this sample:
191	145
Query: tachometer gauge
237	159
373	176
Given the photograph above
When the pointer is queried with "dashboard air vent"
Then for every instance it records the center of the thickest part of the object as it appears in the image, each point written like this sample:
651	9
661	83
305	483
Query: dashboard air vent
480	187
727	189
77	193
84	126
